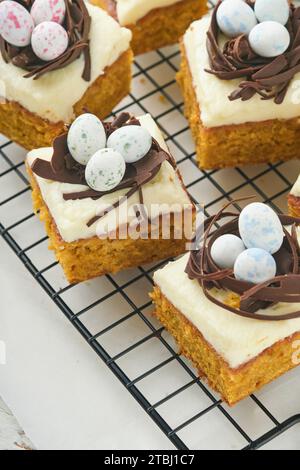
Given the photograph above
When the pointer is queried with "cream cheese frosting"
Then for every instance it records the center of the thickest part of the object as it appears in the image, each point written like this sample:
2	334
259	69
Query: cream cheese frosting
212	93
53	95
130	11
296	188
236	339
71	216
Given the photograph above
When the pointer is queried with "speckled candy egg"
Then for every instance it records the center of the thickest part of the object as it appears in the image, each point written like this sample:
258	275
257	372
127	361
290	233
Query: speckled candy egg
269	39
85	137
235	17
49	40
133	142
272	10
16	24
48	10
260	227
255	265
105	170
226	249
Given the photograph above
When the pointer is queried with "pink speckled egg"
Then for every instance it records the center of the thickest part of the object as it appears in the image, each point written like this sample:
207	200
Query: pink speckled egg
16	24
48	10
49	40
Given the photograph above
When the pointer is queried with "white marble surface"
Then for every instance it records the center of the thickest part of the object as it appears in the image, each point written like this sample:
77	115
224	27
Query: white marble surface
12	437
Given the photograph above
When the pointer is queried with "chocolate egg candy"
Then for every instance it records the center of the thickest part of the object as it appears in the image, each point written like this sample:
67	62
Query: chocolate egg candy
105	170
255	265
48	10
235	17
269	39
86	135
133	142
16	24
272	10
49	40
226	249
260	227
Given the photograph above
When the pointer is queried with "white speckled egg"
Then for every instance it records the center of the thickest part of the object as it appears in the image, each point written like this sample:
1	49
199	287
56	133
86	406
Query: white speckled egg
226	249
255	265
16	24
85	137
49	40
133	142
269	39
235	17
272	10
48	10
260	227
105	170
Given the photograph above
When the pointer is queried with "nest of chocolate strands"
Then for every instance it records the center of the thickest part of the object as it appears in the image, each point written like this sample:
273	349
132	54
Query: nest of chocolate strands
267	77
77	24
63	168
284	287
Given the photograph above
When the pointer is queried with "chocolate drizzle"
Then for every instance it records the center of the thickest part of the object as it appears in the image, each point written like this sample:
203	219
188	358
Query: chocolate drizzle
267	77
77	24
285	287
64	169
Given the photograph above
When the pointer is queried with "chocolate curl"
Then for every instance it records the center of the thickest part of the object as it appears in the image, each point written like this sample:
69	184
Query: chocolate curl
77	24
285	287
269	78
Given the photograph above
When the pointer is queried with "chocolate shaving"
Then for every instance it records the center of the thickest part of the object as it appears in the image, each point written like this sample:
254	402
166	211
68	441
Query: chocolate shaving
267	77
64	169
285	287
77	24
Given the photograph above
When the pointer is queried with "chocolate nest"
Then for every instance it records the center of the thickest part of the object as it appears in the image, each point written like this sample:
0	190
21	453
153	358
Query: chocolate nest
63	168
77	23
267	77
285	287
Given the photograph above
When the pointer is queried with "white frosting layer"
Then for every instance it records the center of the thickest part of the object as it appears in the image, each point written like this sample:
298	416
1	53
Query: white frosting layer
130	11
296	188
235	338
53	95
71	217
212	93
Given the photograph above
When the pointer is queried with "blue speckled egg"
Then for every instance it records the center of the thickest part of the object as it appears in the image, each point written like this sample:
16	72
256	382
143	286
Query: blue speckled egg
105	170
86	136
255	265
260	227
235	17
269	39
272	10
133	142
226	249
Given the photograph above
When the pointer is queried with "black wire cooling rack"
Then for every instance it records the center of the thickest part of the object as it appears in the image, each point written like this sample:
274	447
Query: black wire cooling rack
113	313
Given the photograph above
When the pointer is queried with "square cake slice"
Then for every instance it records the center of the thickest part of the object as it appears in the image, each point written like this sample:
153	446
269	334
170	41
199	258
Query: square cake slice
239	334
294	199
154	23
242	108
38	97
105	215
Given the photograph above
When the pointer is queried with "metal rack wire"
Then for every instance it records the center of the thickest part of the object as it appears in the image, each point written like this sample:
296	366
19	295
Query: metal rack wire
145	360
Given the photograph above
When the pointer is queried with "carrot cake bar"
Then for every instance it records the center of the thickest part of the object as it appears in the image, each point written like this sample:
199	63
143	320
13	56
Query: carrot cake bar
110	196
240	77
154	23
294	199
57	64
235	311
